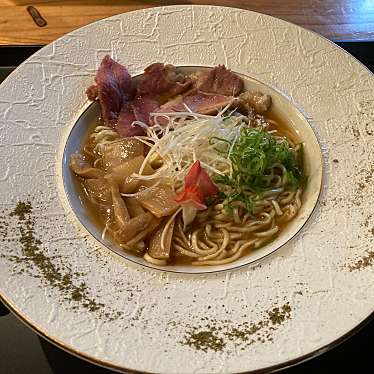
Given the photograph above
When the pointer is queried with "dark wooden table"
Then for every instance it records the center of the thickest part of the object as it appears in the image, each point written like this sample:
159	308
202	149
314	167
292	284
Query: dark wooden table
349	20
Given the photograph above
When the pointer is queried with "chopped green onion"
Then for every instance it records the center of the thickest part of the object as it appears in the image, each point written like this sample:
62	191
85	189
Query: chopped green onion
252	155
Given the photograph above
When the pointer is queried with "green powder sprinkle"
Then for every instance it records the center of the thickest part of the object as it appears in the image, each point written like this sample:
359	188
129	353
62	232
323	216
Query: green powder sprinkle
32	252
278	315
204	340
363	262
22	208
211	334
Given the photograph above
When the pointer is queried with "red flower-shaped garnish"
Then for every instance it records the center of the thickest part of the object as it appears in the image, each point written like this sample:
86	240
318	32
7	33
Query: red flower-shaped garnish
198	186
191	195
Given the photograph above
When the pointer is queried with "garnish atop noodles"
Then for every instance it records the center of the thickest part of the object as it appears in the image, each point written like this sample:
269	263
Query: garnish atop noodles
198	187
255	155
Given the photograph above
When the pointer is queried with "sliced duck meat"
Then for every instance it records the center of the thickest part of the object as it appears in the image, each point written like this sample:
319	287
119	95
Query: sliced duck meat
259	101
113	88
198	102
162	82
218	80
205	103
173	105
142	106
92	92
125	126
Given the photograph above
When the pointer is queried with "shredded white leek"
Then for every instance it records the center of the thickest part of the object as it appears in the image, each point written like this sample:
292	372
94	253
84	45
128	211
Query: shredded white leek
187	138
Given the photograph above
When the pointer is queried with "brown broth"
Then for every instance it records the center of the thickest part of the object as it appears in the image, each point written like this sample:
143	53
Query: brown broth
283	127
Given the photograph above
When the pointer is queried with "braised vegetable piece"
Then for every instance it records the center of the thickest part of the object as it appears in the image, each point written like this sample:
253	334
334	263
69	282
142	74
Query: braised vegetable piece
133	227
133	206
83	168
121	174
115	153
121	214
159	200
98	190
160	242
147	230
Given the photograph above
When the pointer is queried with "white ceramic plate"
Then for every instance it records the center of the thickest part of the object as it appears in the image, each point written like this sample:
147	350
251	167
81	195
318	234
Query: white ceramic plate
94	303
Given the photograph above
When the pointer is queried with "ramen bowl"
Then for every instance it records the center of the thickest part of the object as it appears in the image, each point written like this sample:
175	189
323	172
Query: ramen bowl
283	109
